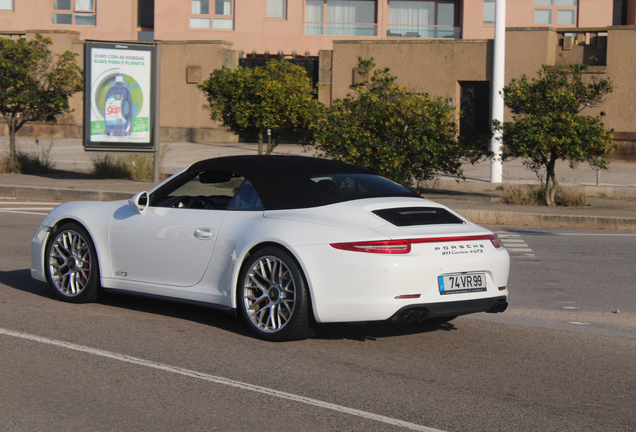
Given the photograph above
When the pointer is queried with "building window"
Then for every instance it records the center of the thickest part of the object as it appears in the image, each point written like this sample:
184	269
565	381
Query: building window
559	12
80	11
6	5
489	12
221	18
341	17
84	6
275	9
423	19
62	5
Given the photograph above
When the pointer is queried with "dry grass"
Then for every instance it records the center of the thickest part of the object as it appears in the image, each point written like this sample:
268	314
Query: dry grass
36	160
565	196
108	166
128	167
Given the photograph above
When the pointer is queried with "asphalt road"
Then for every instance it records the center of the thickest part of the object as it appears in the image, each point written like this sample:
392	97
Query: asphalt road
562	358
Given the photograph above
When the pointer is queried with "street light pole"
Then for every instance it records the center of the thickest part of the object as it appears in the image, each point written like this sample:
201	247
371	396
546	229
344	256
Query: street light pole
498	71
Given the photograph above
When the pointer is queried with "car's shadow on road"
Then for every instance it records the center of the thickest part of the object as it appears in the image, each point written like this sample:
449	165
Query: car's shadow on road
185	311
377	330
21	280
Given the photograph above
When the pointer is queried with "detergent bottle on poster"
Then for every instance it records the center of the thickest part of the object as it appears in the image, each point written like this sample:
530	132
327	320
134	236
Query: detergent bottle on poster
118	109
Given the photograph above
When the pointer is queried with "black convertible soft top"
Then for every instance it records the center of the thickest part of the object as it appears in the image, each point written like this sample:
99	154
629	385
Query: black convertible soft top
283	182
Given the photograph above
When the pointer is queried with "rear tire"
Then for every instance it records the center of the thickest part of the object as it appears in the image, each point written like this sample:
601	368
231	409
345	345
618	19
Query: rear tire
71	264
273	298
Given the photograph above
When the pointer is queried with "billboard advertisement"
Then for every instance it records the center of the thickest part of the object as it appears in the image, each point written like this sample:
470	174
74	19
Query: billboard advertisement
119	103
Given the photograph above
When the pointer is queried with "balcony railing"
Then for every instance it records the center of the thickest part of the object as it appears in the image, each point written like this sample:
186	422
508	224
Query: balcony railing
431	32
341	29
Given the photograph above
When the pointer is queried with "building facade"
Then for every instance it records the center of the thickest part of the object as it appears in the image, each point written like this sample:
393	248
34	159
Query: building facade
440	47
301	26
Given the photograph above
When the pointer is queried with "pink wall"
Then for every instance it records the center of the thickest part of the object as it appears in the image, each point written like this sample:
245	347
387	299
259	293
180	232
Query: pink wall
116	19
520	13
253	31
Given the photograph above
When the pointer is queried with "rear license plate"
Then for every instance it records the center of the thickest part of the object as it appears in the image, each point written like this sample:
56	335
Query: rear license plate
462	283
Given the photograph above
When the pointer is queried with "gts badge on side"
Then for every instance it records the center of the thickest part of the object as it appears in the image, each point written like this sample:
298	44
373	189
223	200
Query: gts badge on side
121	274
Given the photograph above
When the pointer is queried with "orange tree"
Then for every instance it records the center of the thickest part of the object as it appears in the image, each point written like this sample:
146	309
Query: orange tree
36	85
548	126
274	102
401	135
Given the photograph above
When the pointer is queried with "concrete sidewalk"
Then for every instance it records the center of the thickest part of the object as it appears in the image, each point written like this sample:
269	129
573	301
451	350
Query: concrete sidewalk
612	203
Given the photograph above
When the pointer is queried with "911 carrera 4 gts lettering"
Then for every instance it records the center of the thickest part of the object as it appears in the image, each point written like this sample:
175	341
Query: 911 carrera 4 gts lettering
460	252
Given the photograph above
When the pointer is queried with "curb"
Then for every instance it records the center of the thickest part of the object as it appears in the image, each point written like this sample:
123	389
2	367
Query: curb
482	186
485	217
64	195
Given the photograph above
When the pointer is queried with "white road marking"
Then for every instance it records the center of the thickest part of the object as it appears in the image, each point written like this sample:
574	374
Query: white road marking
220	380
23	212
31	203
22	207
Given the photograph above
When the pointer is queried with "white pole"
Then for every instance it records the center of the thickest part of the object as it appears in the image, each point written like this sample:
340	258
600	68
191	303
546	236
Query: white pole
156	164
498	70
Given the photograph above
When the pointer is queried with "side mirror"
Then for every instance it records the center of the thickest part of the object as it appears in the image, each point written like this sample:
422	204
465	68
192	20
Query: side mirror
140	202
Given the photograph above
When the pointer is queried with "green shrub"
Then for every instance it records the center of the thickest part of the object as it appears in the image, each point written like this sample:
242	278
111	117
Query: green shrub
384	127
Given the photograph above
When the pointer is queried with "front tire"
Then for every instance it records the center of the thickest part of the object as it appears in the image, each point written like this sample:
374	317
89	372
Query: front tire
273	297
71	264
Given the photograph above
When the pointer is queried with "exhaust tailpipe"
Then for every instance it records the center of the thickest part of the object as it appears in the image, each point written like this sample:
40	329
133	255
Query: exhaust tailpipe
421	316
498	307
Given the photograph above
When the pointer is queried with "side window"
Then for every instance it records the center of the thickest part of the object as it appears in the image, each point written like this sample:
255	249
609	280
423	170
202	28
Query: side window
246	198
207	190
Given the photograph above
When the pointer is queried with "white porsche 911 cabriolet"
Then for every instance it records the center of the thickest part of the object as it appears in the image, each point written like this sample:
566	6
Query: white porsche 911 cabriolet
287	242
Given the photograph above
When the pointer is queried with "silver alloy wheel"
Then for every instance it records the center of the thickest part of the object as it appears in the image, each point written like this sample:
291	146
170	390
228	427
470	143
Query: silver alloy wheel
269	294
69	263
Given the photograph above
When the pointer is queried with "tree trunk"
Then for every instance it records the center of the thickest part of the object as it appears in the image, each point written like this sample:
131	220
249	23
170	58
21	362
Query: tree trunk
551	184
260	143
12	132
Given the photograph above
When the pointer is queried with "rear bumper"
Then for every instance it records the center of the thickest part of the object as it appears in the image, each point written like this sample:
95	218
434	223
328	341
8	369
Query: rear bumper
421	312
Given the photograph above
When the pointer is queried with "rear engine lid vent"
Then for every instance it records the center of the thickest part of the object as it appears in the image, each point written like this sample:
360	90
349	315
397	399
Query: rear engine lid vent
410	216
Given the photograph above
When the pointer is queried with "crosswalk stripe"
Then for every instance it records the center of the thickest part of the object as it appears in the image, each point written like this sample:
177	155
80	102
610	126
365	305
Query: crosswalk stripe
516	245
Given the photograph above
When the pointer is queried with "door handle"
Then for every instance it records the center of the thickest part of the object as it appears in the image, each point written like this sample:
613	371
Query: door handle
203	233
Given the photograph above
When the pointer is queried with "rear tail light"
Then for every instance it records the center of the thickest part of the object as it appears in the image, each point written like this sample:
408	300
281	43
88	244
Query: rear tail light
384	247
404	246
